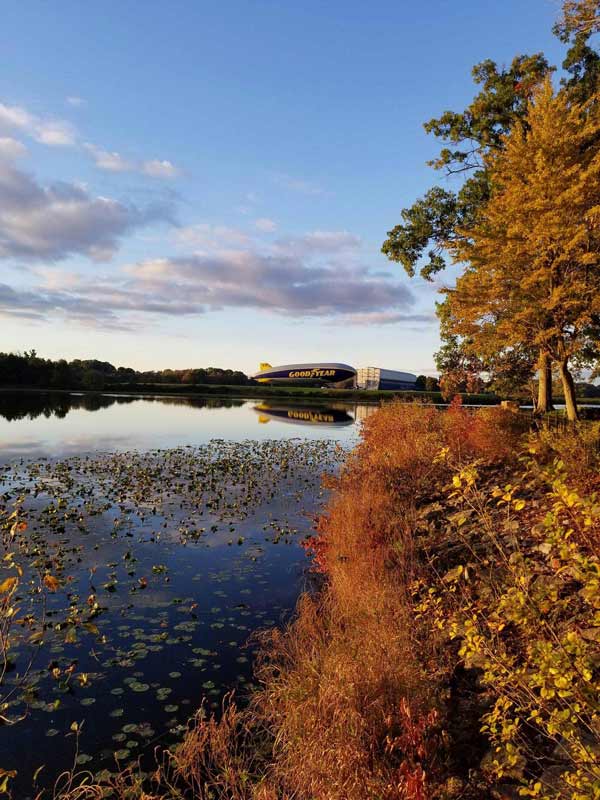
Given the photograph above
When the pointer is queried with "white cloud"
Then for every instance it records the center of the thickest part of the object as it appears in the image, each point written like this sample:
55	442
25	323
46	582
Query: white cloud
60	133
55	134
11	148
56	221
160	169
115	162
265	225
47	131
330	242
280	284
385	318
15	118
112	162
73	100
293	283
206	237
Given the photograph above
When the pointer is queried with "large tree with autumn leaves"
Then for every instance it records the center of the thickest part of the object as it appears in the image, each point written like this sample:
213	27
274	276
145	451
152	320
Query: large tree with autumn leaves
532	259
428	229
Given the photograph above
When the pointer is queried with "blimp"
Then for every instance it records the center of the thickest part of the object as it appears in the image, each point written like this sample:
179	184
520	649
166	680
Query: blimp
339	375
327	372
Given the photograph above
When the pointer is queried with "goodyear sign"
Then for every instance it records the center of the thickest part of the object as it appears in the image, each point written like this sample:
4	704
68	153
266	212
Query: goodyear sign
329	373
315	372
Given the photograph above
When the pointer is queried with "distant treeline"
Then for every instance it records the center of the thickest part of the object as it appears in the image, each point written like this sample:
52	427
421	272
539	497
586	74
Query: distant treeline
28	369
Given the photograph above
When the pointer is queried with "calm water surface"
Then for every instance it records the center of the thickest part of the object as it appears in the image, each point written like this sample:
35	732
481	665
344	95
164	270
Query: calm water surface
154	536
56	424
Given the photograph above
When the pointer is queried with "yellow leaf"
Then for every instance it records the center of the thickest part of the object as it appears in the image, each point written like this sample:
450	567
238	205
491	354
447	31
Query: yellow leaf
51	582
7	585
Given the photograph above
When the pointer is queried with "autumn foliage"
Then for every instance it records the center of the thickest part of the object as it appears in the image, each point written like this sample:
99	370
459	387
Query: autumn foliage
532	259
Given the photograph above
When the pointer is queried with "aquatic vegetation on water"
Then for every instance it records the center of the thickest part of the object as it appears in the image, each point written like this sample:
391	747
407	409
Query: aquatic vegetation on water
131	582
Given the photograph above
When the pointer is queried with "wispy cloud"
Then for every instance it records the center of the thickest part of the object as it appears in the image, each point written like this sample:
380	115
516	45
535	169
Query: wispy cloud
265	225
297	283
74	100
60	133
301	185
385	318
320	242
204	237
160	169
282	284
52	132
115	162
111	162
11	148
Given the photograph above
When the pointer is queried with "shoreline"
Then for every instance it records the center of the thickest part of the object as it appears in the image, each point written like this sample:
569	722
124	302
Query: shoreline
292	393
258	392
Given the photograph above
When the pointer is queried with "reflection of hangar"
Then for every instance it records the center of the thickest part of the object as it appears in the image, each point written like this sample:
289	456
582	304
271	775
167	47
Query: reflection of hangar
336	374
301	415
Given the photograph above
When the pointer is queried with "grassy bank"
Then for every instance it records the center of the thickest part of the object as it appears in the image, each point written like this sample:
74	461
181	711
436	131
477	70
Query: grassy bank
452	650
265	391
251	391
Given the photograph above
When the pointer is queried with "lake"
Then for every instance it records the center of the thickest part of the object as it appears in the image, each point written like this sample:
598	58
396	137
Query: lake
59	424
145	541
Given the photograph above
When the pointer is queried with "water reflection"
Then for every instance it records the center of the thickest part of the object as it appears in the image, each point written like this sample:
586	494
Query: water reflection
29	405
322	416
55	424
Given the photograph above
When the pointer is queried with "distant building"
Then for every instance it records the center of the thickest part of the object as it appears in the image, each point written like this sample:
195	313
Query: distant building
378	378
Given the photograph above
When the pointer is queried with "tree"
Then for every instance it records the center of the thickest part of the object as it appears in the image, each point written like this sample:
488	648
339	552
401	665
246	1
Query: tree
579	20
432	221
430	225
533	257
579	17
460	369
511	372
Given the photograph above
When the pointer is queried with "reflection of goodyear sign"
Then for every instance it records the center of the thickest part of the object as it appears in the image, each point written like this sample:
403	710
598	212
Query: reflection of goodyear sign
296	415
312	373
310	416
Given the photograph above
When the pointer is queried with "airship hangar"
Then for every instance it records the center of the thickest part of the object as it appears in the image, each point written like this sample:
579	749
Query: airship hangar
336	374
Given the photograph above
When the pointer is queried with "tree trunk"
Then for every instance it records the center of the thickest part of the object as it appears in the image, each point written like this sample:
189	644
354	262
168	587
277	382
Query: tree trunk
569	391
544	401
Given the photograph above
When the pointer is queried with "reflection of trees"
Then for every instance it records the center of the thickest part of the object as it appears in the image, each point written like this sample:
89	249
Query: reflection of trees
29	405
199	402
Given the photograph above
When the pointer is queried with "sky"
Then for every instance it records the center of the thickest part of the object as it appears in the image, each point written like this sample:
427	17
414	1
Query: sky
190	183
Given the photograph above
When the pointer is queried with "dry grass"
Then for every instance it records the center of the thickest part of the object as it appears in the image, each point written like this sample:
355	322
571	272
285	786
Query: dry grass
353	672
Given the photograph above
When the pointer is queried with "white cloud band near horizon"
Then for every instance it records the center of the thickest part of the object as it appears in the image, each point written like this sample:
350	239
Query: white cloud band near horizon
317	275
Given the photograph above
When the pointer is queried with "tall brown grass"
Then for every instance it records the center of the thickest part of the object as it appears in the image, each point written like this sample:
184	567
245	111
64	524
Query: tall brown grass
351	687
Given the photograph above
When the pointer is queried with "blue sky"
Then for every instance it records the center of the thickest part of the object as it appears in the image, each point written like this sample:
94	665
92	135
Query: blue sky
200	183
